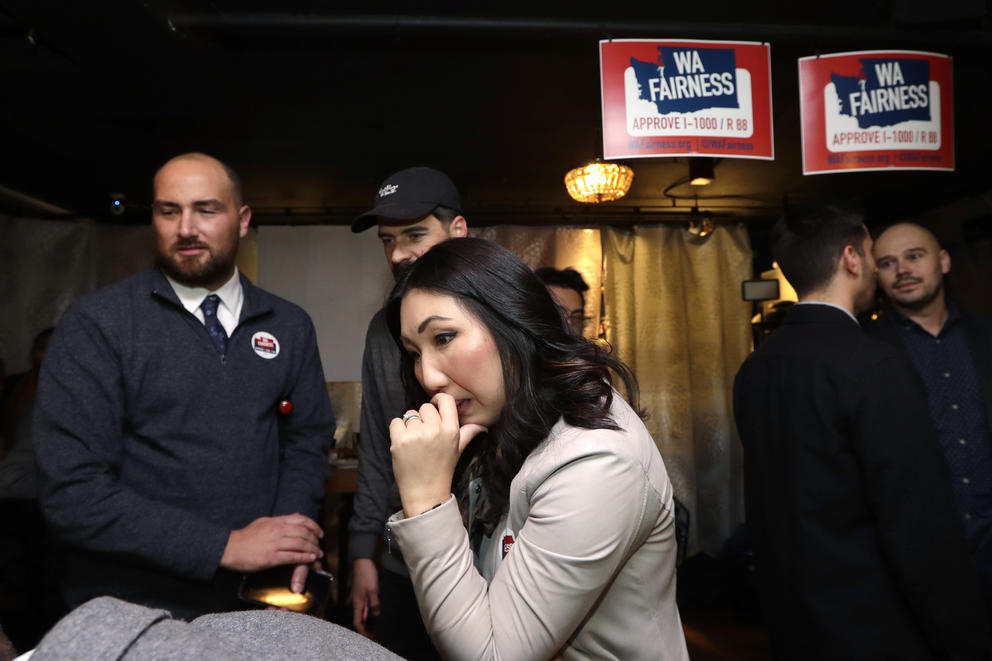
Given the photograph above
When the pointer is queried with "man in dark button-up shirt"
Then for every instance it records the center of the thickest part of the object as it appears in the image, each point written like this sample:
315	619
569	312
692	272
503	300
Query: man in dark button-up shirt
952	352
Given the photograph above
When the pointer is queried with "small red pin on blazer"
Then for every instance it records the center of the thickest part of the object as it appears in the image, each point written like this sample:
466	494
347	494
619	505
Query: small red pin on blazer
285	407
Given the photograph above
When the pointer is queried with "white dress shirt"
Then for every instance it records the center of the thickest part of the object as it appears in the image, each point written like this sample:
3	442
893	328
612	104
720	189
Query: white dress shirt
231	298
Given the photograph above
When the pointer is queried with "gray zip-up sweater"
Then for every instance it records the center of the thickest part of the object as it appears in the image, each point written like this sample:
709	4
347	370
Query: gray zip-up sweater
152	447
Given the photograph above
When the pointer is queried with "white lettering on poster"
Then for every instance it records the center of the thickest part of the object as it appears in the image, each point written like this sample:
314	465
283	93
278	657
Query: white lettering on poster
643	118
843	133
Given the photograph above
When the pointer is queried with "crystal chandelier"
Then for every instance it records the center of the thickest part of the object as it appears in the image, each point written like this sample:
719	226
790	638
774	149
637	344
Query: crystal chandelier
599	182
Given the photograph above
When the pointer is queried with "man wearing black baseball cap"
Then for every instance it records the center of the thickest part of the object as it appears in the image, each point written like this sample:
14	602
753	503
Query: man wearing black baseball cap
415	209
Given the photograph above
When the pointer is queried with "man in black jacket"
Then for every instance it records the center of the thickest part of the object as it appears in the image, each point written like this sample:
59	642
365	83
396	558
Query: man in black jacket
859	553
951	350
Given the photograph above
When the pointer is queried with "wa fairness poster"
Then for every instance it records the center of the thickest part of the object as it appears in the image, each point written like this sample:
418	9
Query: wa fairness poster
685	98
876	110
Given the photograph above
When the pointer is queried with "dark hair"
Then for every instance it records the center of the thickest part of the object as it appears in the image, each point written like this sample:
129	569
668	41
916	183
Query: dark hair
548	373
445	215
808	241
567	278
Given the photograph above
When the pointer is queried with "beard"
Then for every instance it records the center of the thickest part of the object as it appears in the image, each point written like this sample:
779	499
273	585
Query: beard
923	297
401	269
197	272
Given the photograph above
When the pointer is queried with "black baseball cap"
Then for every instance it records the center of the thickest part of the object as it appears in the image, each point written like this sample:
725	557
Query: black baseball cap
410	194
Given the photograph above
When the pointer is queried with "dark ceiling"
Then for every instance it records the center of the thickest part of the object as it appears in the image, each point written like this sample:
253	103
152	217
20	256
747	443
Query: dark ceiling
315	103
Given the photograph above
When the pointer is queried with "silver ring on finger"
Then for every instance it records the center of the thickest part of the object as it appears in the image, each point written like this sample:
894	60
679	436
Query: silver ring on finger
407	417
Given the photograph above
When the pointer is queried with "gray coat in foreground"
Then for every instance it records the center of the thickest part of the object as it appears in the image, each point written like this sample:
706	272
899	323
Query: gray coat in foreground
108	628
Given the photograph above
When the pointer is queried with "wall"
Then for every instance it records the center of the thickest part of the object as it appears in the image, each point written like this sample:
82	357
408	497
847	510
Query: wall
340	278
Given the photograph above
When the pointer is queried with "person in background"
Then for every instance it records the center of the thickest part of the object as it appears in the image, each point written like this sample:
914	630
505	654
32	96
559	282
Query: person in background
7	650
414	209
182	422
17	466
858	549
951	350
571	545
568	288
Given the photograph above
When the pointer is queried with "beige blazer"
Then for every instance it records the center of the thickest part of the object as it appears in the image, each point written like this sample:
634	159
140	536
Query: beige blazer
590	573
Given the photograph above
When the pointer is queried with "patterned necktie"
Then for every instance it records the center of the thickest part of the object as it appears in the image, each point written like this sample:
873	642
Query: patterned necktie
217	332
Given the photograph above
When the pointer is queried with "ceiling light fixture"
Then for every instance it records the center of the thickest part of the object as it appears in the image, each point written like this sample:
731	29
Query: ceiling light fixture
700	223
599	182
701	171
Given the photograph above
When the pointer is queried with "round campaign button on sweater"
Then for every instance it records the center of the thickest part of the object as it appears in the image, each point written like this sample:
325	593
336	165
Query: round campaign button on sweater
265	345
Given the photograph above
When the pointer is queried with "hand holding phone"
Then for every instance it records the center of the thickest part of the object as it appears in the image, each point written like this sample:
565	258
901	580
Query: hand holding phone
271	588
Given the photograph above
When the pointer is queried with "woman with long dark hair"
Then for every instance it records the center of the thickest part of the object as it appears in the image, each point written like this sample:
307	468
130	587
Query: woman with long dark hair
560	538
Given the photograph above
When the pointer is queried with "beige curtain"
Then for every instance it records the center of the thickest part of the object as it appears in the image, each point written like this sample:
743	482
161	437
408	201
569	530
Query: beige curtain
673	312
560	247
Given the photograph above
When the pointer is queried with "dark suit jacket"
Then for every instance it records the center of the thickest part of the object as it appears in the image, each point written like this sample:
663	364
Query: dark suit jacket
860	553
978	335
